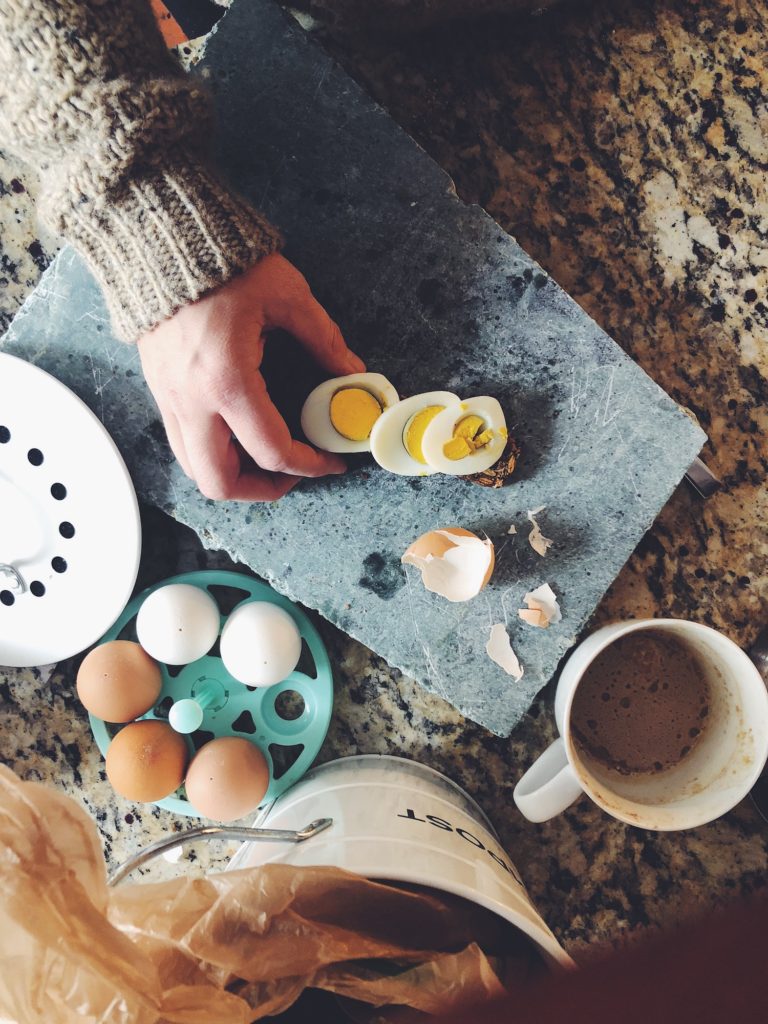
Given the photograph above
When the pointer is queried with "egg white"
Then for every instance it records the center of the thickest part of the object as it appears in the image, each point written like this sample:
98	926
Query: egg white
316	413
440	431
387	446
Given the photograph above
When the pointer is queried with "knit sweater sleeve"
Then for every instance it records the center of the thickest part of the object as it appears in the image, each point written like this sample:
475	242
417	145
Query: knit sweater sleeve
91	98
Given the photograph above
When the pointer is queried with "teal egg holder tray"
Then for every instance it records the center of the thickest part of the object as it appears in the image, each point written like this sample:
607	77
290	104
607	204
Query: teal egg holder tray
269	717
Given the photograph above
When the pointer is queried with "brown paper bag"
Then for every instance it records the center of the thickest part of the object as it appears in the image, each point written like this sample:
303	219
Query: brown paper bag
230	947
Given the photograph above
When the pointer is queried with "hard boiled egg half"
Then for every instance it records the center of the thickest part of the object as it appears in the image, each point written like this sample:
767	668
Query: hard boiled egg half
438	433
397	435
339	415
465	438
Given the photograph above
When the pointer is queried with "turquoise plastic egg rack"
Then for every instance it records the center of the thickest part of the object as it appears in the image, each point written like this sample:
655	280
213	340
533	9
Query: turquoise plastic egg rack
288	722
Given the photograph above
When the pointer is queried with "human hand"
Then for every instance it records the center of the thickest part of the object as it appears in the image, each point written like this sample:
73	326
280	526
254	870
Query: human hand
202	366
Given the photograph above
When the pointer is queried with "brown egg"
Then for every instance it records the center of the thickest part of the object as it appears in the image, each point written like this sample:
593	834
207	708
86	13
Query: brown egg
118	681
227	779
146	760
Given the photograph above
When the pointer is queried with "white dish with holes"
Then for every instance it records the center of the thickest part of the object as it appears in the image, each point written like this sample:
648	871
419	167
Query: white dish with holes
70	534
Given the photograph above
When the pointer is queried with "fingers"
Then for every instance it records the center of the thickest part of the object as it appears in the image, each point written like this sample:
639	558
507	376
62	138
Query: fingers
214	464
263	433
176	441
309	323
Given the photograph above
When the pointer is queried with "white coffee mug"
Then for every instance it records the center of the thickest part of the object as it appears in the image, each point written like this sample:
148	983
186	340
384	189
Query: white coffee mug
719	772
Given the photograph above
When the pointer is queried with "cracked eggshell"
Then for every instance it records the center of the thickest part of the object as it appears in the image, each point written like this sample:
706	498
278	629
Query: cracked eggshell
543	608
455	563
441	429
499	649
387	437
316	412
536	538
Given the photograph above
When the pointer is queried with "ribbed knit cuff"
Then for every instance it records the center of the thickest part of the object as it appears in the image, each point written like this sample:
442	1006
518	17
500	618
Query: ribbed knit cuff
171	236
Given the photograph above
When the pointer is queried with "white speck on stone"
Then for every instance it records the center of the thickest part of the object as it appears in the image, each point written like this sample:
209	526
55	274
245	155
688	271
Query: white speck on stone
173	856
749	125
666	215
307	22
703	232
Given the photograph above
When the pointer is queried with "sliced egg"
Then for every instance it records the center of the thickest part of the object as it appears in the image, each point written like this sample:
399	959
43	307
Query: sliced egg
397	436
339	414
466	438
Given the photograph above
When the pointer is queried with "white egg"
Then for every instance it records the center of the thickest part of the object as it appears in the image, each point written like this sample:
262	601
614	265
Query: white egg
390	441
446	425
260	644
353	403
178	623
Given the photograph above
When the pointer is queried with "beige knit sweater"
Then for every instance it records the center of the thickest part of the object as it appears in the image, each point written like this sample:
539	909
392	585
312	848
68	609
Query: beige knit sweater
91	98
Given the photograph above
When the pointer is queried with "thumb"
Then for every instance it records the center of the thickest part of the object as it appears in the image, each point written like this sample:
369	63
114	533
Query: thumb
309	323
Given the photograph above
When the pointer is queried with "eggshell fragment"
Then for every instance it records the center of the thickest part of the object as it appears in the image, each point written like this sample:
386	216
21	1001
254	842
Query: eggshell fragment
534	617
499	649
536	538
118	681
455	563
542	609
501	472
227	779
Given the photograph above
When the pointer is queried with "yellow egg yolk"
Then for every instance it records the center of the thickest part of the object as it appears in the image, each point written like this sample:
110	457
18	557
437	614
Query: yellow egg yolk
353	412
468	436
414	431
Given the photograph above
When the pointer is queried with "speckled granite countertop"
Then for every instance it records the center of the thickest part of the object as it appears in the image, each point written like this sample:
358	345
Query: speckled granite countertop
624	146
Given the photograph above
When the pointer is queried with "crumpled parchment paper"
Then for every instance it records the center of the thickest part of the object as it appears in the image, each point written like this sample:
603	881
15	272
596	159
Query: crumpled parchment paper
229	947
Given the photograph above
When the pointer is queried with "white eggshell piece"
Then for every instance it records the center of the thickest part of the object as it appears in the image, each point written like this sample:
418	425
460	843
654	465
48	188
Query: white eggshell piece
536	538
440	431
542	609
387	437
459	573
316	413
260	644
499	649
178	623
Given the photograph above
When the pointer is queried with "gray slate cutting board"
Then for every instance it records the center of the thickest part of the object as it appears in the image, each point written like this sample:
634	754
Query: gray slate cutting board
435	295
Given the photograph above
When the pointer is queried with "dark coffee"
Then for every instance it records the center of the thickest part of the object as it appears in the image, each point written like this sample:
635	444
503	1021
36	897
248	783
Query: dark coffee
642	704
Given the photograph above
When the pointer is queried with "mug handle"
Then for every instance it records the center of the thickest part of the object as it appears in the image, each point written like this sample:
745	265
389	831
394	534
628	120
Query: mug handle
549	786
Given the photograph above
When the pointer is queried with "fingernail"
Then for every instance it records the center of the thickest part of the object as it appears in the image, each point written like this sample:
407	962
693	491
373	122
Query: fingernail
355	363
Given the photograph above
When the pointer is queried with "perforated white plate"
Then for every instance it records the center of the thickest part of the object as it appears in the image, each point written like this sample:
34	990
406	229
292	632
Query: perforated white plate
70	533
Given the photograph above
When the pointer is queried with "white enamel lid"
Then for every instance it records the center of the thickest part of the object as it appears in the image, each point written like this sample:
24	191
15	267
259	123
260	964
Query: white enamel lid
70	534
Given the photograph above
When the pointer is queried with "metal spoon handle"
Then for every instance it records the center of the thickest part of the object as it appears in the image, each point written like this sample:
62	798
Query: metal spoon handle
206	832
